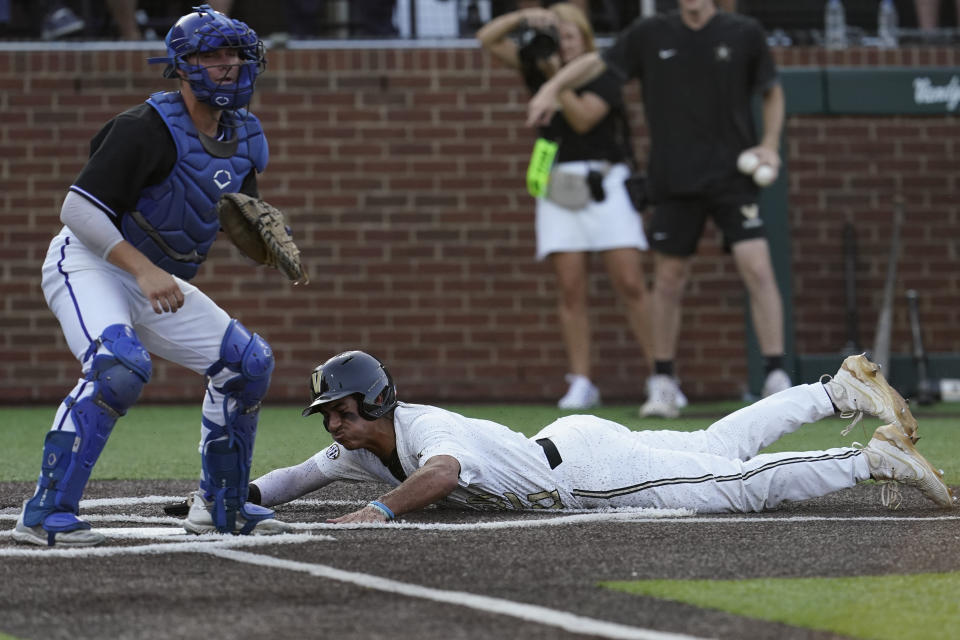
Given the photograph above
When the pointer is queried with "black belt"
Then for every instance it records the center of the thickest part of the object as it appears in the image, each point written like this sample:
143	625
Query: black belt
550	449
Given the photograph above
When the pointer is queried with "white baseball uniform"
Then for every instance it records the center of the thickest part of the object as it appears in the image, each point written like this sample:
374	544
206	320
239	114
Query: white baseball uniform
603	464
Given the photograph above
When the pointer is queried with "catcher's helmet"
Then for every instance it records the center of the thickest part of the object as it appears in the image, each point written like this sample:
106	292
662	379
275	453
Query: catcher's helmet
207	30
353	373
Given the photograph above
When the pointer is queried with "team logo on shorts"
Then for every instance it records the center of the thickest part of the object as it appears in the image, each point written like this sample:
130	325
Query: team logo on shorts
751	216
333	451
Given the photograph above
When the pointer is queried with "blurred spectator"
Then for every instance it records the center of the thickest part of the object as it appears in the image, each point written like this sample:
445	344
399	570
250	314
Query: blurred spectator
373	19
4	13
60	21
582	207
302	17
125	17
928	14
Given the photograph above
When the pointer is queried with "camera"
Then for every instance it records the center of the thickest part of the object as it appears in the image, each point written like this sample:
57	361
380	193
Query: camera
536	44
533	47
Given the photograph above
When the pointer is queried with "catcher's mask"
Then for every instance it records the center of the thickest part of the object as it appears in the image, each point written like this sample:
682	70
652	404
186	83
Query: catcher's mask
353	373
208	30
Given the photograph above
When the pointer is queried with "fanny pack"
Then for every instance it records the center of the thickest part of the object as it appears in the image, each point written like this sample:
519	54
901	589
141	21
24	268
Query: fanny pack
568	189
573	190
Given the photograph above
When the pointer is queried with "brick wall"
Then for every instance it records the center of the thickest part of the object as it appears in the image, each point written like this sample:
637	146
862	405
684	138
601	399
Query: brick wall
401	172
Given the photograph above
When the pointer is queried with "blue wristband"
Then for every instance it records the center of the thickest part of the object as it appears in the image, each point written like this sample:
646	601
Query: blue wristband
384	509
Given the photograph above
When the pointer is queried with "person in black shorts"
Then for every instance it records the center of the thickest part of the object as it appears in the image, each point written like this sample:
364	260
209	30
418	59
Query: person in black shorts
699	69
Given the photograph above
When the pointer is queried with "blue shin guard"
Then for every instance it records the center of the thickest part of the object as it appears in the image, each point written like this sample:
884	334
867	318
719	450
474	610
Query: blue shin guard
227	449
117	376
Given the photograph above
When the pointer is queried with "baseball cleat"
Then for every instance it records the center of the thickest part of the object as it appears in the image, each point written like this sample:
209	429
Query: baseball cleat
860	388
662	397
200	520
582	393
82	536
892	456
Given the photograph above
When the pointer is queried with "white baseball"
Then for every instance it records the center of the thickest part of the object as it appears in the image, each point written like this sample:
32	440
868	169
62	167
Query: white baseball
748	162
764	175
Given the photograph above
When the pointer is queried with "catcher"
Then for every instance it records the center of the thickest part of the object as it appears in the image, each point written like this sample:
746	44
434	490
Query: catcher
138	222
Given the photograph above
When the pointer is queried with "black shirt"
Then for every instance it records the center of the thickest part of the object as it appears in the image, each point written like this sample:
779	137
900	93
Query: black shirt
698	88
133	151
603	141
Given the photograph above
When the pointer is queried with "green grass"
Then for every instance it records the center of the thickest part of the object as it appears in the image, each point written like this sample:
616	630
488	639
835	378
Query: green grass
161	441
848	606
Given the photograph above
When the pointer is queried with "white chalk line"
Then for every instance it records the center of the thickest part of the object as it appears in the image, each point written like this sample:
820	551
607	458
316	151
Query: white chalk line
531	613
90	503
195	544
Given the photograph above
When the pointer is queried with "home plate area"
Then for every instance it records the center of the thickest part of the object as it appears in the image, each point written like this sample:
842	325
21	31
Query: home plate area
438	573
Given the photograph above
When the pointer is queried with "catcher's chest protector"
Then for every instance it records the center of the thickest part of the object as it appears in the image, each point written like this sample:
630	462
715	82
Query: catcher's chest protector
177	221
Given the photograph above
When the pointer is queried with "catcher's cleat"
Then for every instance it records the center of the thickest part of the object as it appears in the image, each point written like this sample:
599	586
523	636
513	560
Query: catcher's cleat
250	520
80	535
892	456
860	388
663	397
179	509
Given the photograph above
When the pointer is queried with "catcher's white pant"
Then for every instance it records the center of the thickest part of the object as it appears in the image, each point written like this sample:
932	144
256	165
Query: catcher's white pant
88	294
713	470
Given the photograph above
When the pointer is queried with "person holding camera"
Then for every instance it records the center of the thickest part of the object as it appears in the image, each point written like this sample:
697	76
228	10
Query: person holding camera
577	174
700	69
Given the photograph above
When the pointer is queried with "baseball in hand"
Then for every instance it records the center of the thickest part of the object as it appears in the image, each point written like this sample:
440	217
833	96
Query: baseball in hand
748	162
764	175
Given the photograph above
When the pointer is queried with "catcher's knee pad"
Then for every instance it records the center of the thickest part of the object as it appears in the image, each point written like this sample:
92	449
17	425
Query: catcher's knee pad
243	373
250	358
117	373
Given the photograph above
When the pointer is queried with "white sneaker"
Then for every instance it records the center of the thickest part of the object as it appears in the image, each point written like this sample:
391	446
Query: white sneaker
582	393
892	456
662	397
860	388
84	537
775	382
200	520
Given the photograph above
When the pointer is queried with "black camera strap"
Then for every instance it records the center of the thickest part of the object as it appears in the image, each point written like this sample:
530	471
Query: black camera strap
636	183
625	136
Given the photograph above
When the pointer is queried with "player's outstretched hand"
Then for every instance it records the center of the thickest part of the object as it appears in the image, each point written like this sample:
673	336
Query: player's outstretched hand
367	514
161	290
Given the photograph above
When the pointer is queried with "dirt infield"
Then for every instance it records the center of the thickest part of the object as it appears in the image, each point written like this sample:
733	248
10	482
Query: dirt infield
538	572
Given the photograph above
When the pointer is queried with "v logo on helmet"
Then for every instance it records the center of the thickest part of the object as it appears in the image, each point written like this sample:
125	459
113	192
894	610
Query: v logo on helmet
316	381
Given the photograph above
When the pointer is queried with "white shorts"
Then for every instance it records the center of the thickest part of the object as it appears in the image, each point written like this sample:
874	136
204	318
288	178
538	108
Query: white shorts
600	226
88	294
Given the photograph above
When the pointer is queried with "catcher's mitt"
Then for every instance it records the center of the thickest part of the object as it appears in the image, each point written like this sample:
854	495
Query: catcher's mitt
260	231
